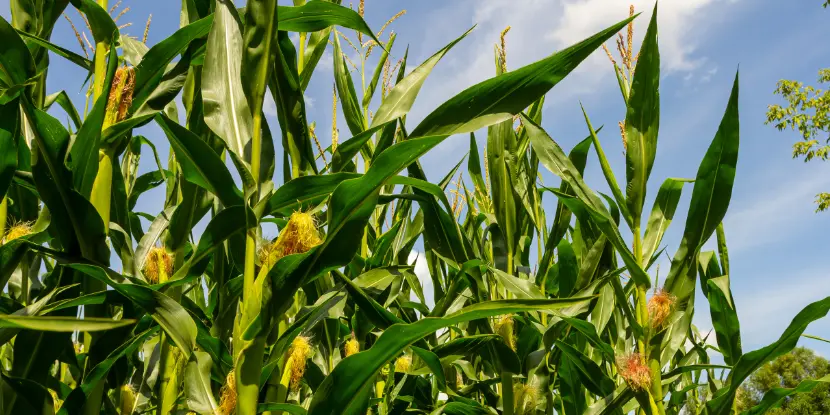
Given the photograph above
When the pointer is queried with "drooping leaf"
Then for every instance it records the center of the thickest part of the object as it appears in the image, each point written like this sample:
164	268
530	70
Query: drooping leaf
200	164
318	15
400	98
341	391
721	404
725	318
500	98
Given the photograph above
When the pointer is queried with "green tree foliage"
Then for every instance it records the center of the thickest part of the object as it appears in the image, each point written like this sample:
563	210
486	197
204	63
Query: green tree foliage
807	111
788	371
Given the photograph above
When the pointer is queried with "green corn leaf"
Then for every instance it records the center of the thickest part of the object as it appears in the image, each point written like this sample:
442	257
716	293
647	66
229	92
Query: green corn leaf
168	313
661	215
318	15
259	47
228	222
303	192
642	120
197	384
345	90
348	149
562	218
317	44
101	25
401	97
15	58
291	108
57	50
226	109
9	131
608	173
74	403
62	99
200	164
369	92
154	64
466	345
78	224
586	204
589	372
725	318
721	404
501	144
377	314
61	324
285	407
499	99
521	288
776	396
434	364
341	391
710	199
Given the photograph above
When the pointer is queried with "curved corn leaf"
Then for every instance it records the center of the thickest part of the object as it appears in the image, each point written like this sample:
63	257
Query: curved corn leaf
500	98
586	203
400	98
721	404
318	15
200	164
342	390
302	192
168	313
57	50
776	396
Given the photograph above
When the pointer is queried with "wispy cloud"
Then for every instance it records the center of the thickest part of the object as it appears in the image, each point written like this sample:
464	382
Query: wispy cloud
777	212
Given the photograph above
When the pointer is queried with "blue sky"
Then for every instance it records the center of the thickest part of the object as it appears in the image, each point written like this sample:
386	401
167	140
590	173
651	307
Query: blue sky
777	243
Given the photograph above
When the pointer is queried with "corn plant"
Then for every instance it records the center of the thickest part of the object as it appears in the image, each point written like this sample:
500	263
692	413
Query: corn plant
329	316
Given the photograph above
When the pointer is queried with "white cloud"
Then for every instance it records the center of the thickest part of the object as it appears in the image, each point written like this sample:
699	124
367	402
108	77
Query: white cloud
422	272
774	212
539	27
766	312
269	107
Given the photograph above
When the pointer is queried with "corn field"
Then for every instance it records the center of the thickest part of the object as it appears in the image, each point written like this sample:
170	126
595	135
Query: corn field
535	312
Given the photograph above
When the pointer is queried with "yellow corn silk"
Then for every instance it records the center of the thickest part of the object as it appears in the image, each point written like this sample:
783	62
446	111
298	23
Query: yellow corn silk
227	400
298	355
158	266
299	235
403	363
635	371
120	97
504	328
18	230
660	307
352	346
